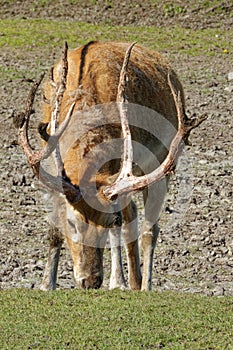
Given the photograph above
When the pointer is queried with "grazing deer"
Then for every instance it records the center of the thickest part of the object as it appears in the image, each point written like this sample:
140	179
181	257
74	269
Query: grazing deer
100	98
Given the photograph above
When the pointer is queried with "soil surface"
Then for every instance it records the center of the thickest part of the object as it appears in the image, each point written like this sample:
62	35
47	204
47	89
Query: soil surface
195	246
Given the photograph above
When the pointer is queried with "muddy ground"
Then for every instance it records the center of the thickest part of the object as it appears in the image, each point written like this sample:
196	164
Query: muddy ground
195	247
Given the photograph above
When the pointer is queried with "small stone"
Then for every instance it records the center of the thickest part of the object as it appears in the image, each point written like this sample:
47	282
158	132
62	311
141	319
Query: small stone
229	89
219	291
230	76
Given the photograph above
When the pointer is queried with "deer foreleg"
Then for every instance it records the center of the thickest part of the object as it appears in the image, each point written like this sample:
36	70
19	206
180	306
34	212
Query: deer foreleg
117	279
50	273
149	238
130	228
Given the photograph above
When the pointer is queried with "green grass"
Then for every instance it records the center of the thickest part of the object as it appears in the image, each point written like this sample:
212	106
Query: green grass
30	36
36	33
114	320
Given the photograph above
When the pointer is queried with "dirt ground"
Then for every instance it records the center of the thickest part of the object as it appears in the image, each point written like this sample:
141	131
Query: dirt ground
195	247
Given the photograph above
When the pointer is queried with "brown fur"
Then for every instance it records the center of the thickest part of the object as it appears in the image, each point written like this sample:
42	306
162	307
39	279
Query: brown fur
147	86
93	78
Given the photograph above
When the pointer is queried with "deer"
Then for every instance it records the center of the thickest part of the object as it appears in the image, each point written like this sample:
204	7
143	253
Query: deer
99	149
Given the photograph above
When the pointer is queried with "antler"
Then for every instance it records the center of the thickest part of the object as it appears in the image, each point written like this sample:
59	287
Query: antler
126	168
55	117
55	183
126	181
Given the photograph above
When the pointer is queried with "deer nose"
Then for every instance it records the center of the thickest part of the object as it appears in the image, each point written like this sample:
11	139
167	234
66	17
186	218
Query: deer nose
92	282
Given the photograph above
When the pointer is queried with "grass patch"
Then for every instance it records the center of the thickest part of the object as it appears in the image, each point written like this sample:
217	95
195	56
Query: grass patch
10	72
114	320
35	33
27	37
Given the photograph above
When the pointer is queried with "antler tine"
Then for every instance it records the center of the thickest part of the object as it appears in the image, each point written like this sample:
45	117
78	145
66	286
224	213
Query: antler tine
187	124
21	121
134	183
127	161
60	89
51	78
178	103
54	138
123	75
